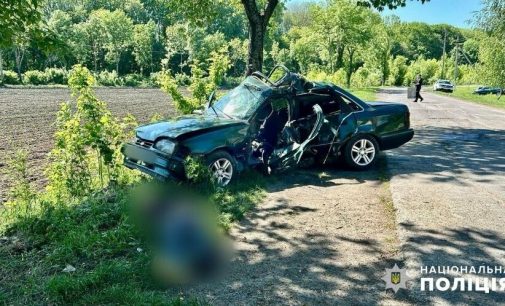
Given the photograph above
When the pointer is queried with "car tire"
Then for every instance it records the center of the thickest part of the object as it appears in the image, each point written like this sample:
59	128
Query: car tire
361	152
223	167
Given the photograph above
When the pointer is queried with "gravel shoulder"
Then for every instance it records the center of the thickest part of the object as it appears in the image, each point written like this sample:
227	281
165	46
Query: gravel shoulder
449	190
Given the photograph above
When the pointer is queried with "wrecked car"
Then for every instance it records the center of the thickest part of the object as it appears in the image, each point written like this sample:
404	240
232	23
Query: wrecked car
272	122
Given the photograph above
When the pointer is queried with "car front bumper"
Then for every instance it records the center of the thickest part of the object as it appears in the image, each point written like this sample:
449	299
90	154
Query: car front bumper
444	88
152	162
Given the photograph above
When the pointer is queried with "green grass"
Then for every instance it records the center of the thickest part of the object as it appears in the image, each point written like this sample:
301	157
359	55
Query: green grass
466	93
365	94
98	237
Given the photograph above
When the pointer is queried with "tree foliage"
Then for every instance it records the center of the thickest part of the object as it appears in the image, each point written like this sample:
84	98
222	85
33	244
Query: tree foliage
123	42
16	17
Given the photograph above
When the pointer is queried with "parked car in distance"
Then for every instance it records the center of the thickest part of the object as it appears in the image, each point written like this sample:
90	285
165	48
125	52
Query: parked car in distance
486	90
311	122
443	85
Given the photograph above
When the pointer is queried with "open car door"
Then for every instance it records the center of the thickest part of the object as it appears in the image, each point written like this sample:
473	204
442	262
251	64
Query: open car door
289	156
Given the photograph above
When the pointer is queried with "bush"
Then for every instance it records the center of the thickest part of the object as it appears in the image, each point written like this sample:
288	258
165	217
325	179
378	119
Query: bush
56	76
397	71
470	75
337	78
153	79
429	70
34	77
107	78
10	77
182	79
365	77
169	85
133	80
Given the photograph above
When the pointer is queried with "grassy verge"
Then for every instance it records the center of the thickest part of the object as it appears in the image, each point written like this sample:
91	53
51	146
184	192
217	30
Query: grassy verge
466	93
365	94
386	199
98	238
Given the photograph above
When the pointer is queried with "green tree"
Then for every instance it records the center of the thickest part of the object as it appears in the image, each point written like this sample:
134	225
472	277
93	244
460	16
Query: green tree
143	39
491	17
492	58
258	15
177	44
119	31
398	70
60	23
92	35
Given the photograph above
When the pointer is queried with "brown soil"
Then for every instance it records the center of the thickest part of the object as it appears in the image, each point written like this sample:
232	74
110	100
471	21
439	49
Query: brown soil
27	116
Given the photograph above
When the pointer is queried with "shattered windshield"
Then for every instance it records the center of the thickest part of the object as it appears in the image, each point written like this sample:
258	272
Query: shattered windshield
238	103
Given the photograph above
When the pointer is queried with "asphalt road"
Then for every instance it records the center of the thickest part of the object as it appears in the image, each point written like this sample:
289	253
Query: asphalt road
448	186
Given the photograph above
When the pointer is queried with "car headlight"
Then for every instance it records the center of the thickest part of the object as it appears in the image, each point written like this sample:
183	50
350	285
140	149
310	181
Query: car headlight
165	146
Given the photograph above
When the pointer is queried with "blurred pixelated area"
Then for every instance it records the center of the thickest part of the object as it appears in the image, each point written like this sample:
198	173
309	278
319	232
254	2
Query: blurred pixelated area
182	231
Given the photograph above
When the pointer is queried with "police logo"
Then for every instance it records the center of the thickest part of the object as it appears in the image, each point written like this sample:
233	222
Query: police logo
396	278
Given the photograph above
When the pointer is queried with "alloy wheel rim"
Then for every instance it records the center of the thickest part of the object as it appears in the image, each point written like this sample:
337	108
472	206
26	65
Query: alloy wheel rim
222	170
363	152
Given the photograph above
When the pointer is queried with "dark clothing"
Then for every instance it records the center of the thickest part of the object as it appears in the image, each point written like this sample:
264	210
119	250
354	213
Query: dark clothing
419	84
418	95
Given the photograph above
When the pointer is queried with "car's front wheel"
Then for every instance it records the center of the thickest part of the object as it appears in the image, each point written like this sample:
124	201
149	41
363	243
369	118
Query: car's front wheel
222	166
361	152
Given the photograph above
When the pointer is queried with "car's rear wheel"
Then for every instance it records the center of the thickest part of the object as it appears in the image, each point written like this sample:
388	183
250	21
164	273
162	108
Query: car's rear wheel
222	166
361	152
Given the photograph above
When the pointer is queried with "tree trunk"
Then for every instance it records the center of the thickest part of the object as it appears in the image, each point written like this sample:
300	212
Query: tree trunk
258	22
95	60
117	63
349	70
19	55
330	55
256	44
1	67
340	57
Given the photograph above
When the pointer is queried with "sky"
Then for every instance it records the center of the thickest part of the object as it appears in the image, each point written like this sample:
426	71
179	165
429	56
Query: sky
453	12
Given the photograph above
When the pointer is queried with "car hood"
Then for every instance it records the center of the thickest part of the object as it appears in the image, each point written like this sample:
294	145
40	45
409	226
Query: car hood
184	127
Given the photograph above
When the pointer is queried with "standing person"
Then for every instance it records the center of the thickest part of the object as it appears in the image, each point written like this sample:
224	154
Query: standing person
419	84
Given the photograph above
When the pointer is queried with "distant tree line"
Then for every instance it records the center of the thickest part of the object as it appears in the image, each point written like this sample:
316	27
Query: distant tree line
337	40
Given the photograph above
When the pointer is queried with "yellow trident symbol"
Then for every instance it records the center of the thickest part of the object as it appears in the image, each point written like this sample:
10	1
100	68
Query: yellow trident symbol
395	277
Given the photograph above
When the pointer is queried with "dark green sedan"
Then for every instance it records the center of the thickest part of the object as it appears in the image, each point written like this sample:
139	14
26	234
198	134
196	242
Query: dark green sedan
272	122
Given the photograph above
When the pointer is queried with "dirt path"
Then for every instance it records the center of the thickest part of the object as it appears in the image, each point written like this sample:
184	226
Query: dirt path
321	238
448	186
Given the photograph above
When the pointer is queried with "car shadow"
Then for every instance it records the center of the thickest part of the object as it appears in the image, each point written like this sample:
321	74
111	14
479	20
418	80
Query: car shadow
332	174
